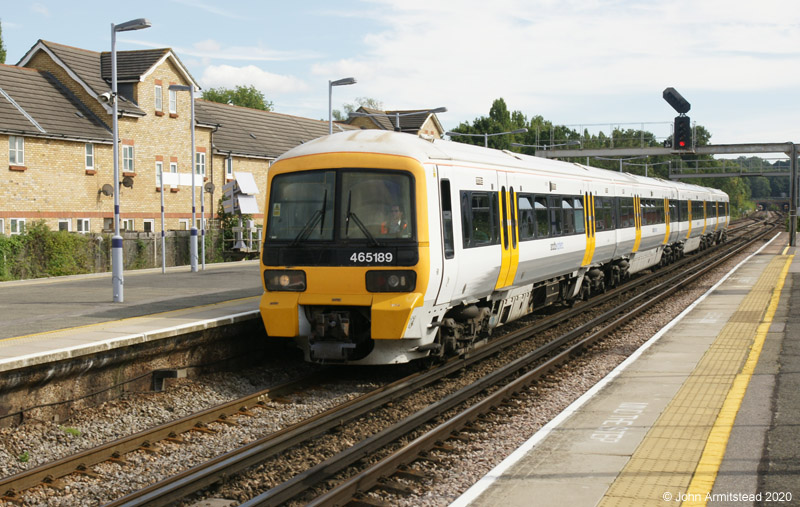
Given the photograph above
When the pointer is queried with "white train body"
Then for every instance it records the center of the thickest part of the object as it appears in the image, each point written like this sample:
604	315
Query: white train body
489	236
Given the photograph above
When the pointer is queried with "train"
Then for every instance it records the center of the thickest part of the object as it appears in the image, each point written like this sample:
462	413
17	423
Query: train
385	247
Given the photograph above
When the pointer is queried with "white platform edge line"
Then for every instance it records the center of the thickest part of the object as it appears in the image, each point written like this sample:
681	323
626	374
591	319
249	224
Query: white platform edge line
108	343
487	480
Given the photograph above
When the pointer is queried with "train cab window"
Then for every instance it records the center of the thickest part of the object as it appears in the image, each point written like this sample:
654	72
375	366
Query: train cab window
578	215
527	217
301	204
375	205
447	220
480	221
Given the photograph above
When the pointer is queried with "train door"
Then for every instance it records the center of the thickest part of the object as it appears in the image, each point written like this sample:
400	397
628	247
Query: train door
447	207
509	233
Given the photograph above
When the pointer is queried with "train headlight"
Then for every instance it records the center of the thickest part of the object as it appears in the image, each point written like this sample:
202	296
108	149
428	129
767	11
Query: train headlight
391	281
285	280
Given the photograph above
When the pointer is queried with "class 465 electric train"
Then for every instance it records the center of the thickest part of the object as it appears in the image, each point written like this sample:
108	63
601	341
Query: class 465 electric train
383	247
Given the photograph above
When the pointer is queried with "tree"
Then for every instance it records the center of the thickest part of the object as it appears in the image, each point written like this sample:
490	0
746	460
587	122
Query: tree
367	102
2	46
245	96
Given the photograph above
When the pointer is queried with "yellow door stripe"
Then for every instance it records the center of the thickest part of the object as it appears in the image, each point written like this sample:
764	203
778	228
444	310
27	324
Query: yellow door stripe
505	256
637	220
513	244
666	219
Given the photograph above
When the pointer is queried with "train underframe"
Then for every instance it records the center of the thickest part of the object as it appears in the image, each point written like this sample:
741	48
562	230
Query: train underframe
341	334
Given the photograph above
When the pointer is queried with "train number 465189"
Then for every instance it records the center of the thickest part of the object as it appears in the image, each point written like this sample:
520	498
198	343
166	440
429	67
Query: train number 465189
368	257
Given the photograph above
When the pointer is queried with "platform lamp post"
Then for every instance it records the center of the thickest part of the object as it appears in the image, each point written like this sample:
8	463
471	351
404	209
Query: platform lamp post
193	237
486	136
398	114
331	84
117	280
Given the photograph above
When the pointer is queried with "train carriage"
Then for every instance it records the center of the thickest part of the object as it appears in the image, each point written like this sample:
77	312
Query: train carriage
385	248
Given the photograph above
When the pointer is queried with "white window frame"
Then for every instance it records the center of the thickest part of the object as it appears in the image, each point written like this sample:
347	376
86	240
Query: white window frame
16	226
128	224
151	222
183	224
159	97
200	163
173	101
159	171
128	165
173	168
16	150
229	168
66	222
83	225
89	156
2	226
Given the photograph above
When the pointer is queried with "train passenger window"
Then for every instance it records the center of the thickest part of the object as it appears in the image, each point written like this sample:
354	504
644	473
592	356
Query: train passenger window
542	221
683	211
447	221
626	212
527	218
479	219
569	215
579	215
673	211
556	216
604	213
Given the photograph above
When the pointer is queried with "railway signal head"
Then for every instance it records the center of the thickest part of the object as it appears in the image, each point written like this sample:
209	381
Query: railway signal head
683	133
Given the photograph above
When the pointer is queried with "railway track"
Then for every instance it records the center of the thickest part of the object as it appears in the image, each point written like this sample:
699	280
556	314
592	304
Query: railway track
200	477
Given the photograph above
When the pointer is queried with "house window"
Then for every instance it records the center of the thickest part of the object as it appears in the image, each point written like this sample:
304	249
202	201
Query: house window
127	158
173	101
16	150
200	163
16	226
183	224
82	225
229	168
158	97
159	170
108	224
173	168
64	224
89	156
2	226
128	225
148	225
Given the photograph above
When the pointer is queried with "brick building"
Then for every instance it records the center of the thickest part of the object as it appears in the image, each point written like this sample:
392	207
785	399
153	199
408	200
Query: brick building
55	130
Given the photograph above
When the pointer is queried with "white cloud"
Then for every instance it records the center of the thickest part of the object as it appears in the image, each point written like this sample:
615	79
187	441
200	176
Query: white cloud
40	9
270	84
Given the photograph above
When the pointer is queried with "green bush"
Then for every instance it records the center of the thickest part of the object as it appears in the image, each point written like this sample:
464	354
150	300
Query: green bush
40	252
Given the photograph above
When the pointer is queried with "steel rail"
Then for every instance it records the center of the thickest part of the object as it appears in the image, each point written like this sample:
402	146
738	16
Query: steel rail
368	478
198	477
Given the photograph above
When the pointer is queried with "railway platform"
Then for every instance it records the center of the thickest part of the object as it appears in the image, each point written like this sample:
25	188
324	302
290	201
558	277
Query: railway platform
704	413
48	320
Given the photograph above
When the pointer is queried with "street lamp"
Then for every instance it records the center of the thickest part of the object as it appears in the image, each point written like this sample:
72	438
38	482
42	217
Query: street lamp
117	280
486	136
331	84
398	114
192	164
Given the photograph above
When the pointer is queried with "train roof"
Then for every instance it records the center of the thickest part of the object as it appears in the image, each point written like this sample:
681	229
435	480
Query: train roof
395	143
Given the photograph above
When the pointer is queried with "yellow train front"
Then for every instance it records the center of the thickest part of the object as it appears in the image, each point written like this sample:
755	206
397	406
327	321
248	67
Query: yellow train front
345	259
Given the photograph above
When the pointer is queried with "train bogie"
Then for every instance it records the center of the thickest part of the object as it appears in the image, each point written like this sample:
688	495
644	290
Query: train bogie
385	248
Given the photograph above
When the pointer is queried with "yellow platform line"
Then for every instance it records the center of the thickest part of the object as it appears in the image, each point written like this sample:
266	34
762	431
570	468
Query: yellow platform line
706	473
663	466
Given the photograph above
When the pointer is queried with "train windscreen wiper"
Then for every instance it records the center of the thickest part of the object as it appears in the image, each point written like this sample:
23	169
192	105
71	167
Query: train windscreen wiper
358	222
318	216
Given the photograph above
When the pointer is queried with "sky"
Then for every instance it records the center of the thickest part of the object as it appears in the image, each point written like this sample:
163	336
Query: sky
588	64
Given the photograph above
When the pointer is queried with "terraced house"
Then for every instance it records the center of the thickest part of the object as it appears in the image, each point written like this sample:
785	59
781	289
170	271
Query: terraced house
55	130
